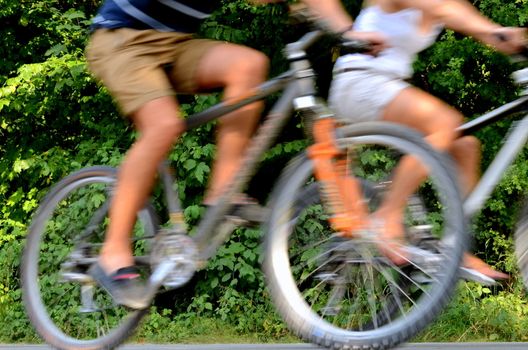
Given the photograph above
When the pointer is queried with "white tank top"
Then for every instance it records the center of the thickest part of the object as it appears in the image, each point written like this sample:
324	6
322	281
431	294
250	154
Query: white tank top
404	38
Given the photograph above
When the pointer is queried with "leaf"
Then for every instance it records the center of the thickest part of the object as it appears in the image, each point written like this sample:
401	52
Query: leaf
73	14
56	50
20	165
201	170
226	277
189	164
3	102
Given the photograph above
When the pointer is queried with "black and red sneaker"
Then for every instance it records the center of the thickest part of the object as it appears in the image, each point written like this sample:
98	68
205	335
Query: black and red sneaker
124	285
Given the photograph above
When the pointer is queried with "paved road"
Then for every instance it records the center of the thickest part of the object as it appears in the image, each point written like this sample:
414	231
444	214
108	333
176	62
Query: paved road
414	346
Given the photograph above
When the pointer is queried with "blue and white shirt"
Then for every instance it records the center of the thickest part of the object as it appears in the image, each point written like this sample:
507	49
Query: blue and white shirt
163	15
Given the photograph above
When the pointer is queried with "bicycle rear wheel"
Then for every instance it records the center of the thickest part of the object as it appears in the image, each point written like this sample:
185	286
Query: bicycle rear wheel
343	292
66	307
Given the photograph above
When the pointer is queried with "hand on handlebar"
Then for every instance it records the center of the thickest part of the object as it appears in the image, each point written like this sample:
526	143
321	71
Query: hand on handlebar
508	40
375	42
368	42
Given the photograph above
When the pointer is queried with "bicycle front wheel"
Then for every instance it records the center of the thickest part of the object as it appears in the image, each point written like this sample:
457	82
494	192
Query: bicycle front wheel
343	292
66	307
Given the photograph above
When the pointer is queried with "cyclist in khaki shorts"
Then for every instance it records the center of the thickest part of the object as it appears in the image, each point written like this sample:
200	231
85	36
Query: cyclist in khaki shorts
144	51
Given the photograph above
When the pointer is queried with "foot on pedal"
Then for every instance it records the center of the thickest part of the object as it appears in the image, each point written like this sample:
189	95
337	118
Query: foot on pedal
125	286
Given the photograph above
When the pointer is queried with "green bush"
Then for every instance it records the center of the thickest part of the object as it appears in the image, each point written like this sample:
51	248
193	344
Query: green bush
54	119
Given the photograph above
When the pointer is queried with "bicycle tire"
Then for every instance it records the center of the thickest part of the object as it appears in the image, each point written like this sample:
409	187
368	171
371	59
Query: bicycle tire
310	196
301	302
521	243
59	321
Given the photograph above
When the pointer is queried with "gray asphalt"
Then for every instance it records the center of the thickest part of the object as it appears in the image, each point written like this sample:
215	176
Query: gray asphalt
412	346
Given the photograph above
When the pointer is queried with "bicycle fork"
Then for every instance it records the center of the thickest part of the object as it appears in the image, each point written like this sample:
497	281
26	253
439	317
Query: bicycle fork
341	192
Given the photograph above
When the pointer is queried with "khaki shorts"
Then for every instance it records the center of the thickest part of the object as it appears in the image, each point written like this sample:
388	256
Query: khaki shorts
138	66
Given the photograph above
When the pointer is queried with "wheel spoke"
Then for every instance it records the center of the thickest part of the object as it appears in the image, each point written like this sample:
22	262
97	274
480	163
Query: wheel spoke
65	238
347	291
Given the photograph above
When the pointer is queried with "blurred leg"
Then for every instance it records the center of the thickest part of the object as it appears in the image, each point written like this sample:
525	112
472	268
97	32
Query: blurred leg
159	125
238	69
466	153
438	121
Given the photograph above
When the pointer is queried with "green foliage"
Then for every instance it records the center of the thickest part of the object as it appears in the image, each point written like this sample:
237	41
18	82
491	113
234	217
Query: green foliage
480	313
54	118
163	326
31	30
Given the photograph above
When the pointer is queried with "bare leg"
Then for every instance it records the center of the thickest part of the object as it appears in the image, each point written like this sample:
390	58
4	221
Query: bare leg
466	153
437	120
159	126
424	112
238	69
235	67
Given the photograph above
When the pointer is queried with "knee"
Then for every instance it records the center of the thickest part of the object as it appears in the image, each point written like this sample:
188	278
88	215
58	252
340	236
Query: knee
451	121
163	130
250	69
447	124
468	145
256	64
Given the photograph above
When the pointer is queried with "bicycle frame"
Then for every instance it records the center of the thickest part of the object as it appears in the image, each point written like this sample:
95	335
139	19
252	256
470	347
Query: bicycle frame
299	94
513	143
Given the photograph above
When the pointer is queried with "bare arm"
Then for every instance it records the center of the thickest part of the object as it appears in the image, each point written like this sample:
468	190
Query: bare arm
463	17
333	12
330	10
339	21
458	15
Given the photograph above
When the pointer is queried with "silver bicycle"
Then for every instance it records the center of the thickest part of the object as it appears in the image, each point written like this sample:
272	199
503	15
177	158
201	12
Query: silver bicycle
334	289
513	144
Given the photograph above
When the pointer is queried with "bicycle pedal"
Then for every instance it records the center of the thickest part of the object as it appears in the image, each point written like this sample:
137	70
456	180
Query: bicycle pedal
422	256
475	276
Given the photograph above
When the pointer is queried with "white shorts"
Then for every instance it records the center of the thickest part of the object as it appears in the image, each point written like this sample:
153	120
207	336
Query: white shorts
363	95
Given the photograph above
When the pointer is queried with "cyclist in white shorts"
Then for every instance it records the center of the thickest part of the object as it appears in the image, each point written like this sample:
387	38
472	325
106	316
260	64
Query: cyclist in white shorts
369	87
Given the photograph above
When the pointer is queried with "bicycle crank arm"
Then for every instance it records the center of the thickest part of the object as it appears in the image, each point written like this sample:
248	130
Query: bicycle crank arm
158	276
